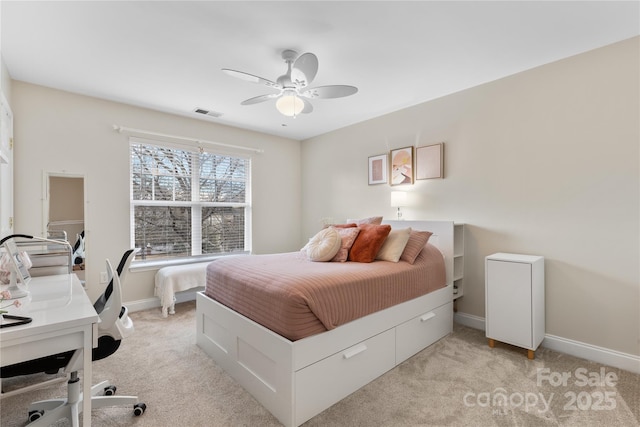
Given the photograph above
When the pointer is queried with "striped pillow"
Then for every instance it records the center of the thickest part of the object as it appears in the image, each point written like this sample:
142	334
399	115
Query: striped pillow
416	242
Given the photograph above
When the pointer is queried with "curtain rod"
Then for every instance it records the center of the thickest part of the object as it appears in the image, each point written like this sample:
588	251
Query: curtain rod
123	129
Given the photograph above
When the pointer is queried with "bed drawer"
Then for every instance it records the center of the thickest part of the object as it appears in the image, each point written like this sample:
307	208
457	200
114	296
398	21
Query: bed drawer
422	331
346	371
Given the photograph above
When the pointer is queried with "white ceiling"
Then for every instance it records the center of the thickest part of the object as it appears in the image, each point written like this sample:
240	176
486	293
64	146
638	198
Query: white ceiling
168	55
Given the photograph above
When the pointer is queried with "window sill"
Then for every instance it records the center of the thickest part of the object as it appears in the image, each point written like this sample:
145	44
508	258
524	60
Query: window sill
156	265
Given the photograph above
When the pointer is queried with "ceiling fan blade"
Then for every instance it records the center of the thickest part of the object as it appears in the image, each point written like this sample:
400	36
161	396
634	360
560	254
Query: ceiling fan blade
250	77
304	69
307	106
261	98
326	92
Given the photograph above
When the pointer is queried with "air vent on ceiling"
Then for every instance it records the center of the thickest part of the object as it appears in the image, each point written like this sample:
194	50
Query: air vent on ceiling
207	112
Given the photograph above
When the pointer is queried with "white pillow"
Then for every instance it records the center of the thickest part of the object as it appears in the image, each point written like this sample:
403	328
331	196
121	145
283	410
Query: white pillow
393	246
324	245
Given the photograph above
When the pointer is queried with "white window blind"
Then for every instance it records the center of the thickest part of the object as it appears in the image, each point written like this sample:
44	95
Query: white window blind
187	202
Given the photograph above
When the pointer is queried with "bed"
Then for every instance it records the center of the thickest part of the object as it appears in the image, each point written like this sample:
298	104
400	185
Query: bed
296	378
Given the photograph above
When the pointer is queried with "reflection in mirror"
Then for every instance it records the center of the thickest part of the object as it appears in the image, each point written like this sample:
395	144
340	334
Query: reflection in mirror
66	215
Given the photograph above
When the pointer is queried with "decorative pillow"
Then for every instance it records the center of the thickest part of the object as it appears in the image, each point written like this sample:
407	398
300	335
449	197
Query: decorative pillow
324	245
394	245
352	225
368	242
414	246
375	220
348	237
348	225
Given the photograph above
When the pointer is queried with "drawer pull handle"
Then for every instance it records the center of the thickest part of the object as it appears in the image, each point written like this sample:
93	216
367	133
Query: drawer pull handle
427	316
354	351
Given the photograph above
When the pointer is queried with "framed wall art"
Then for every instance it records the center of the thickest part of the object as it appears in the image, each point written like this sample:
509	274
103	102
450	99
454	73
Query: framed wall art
401	166
430	161
378	169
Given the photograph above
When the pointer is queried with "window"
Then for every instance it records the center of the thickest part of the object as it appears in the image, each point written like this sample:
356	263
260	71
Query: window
187	202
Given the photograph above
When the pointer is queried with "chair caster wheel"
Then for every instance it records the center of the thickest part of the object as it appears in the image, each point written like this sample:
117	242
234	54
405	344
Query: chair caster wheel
139	408
34	415
110	391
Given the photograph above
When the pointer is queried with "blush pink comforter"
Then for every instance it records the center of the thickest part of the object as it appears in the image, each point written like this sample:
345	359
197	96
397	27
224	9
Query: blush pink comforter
296	298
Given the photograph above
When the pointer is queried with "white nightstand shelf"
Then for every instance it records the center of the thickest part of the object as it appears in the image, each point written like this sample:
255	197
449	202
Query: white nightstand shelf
458	260
514	300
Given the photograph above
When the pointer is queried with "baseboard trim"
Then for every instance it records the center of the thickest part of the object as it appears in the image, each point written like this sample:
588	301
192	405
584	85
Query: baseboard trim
606	356
469	320
616	359
148	303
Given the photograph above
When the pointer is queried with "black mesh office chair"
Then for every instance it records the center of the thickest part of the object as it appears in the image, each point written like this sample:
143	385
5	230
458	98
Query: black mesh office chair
114	325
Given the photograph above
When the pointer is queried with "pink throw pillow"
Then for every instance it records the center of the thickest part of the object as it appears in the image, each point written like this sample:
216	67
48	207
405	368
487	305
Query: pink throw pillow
348	235
375	220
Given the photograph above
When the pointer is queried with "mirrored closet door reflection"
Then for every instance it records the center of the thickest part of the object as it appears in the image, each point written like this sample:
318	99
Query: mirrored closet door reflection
64	215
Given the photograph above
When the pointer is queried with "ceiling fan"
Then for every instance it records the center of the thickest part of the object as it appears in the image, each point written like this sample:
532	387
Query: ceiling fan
293	87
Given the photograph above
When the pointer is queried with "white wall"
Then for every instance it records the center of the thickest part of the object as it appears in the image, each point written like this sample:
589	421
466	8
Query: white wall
543	162
5	78
66	133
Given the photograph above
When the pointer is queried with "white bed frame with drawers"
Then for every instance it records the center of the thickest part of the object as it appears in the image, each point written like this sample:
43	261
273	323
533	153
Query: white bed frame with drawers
296	380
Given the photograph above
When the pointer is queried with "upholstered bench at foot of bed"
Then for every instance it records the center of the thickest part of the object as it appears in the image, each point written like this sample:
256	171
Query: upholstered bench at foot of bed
170	280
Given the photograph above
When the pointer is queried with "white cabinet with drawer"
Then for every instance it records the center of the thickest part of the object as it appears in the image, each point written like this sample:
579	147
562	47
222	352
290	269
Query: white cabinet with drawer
514	300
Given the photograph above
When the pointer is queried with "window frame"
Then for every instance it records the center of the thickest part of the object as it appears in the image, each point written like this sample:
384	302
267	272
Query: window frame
195	204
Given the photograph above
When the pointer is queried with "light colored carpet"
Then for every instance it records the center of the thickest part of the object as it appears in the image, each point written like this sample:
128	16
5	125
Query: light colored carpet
456	382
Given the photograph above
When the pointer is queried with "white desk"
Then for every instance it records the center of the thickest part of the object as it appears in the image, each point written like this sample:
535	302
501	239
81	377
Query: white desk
63	320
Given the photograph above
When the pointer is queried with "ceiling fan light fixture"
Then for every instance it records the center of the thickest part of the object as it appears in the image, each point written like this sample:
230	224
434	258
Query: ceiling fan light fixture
290	105
294	95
